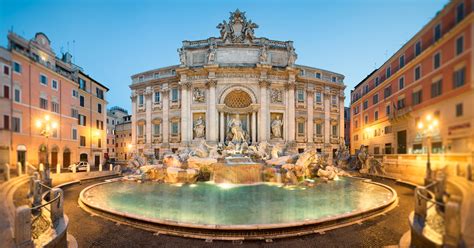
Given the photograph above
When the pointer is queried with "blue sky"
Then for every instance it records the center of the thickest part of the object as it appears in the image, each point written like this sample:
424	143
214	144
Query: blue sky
115	39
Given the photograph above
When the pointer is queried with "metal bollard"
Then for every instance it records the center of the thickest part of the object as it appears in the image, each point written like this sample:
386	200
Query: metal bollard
469	172
19	169
100	167
58	168
74	169
6	171
22	228
41	167
88	168
110	167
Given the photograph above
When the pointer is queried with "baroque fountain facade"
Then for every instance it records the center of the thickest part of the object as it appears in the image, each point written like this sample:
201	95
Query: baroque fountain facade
237	87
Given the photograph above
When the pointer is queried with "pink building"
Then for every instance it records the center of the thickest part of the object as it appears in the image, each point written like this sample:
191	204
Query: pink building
39	84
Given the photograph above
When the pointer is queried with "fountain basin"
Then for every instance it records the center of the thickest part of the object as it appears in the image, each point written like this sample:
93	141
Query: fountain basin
239	207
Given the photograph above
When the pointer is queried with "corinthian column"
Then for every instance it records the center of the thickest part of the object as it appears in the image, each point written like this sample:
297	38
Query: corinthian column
213	120
222	128
148	105
254	127
184	111
310	124
341	117
263	113
291	111
327	117
166	107
133	97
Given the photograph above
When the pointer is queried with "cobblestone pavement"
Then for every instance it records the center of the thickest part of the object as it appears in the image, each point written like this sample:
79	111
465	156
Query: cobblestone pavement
377	232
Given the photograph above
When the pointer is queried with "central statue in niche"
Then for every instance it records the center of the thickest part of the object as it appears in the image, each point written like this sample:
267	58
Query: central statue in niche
236	130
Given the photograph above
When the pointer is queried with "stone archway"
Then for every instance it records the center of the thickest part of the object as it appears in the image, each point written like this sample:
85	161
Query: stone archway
237	99
237	105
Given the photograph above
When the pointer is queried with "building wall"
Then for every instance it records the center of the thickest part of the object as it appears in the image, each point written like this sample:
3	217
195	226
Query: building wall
455	132
5	102
36	58
123	137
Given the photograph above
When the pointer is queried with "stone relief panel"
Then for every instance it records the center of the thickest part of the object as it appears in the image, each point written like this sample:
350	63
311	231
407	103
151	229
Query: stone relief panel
238	55
276	96
199	58
199	95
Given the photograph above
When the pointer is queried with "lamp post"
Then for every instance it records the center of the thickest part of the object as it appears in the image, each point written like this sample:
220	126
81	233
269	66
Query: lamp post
129	148
426	127
46	127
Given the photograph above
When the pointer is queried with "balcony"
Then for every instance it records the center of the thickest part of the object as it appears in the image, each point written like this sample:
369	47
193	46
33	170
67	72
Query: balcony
141	139
400	114
318	138
334	139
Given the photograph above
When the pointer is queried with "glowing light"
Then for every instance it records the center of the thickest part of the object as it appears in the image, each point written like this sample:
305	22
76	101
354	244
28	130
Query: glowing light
420	125
39	124
428	117
430	127
54	125
97	133
46	117
226	185
435	123
129	146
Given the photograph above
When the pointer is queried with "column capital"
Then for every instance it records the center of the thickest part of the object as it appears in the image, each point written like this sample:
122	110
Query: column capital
148	91
165	91
211	83
185	84
290	85
264	83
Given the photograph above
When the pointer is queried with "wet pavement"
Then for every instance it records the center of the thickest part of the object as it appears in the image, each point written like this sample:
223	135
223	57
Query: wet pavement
95	231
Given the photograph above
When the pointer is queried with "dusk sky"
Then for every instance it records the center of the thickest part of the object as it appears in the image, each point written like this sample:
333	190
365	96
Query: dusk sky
116	39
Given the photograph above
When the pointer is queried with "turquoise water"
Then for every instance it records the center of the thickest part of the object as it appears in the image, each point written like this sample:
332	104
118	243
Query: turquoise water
210	204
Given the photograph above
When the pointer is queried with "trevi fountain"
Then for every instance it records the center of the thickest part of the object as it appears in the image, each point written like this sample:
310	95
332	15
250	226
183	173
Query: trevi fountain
232	154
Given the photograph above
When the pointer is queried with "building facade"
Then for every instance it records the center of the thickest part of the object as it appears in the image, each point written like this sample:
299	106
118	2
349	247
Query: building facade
430	77
123	137
237	78
115	116
347	127
40	85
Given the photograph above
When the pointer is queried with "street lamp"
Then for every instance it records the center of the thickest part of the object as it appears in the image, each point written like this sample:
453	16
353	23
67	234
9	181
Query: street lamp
129	148
46	127
426	126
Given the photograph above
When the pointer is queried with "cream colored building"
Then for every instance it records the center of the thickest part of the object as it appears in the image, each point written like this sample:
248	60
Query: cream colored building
237	76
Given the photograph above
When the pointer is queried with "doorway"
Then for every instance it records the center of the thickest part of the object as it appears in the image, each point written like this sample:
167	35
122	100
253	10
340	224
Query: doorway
402	142
54	156
66	158
96	160
21	157
83	157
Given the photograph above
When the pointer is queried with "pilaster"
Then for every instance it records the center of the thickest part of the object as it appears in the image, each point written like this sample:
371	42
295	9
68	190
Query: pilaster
264	111
310	108
213	120
291	110
166	106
